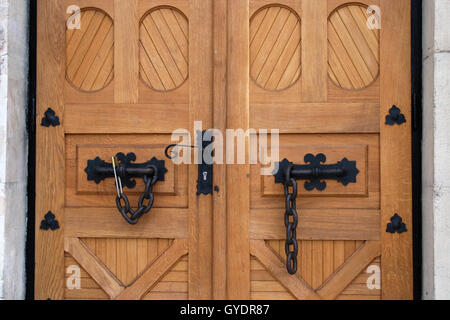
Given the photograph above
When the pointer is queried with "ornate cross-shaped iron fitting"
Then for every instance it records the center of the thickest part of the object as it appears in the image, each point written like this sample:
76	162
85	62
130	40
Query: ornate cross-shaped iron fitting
50	119
49	222
395	116
98	170
315	172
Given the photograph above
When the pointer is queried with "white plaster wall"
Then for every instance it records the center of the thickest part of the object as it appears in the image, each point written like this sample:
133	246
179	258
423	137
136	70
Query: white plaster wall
436	150
13	145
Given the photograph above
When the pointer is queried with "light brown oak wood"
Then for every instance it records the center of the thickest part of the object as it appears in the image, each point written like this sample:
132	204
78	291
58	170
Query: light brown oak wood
49	253
396	190
97	270
137	70
144	282
318	224
91	77
219	122
273	264
335	108
200	104
350	270
126	56
238	202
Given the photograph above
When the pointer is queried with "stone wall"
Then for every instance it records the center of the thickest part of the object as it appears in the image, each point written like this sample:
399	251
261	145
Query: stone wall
436	149
13	145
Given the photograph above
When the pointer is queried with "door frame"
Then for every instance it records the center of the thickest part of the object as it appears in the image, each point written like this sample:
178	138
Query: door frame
416	85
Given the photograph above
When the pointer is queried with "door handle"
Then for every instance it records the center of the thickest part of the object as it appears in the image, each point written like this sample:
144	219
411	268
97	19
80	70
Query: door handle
125	172
315	172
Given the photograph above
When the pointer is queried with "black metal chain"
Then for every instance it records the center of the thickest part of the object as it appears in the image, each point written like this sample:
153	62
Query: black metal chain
130	215
291	221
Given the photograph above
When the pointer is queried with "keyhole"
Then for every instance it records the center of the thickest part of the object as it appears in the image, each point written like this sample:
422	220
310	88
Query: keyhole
205	175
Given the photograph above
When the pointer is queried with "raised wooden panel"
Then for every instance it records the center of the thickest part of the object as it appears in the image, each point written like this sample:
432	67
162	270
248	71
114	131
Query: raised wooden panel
365	193
359	289
174	285
318	262
353	48
164	48
172	193
127	259
90	50
263	286
275	47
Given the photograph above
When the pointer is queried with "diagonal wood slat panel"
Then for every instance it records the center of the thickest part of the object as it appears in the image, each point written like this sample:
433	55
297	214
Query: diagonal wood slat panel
331	269
353	48
99	272
164	53
155	271
297	286
90	51
275	49
350	270
138	255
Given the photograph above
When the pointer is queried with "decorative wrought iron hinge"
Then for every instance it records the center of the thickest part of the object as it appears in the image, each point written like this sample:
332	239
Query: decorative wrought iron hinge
396	225
395	116
49	222
98	170
315	171
50	119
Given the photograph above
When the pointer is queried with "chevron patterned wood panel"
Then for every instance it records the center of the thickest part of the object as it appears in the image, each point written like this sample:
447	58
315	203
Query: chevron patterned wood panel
90	50
164	48
275	47
353	48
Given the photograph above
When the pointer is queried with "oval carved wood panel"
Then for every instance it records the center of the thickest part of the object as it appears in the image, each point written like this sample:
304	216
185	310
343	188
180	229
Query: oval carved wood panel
353	48
275	47
90	50
164	48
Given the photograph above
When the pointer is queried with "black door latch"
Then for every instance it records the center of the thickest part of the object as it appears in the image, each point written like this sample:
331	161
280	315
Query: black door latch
98	170
315	172
205	169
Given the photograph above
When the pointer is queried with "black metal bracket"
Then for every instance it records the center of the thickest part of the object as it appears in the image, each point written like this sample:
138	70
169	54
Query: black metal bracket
395	116
98	170
396	225
205	171
315	171
49	222
50	119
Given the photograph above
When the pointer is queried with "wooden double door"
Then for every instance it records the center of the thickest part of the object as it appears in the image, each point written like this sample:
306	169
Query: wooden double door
123	75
